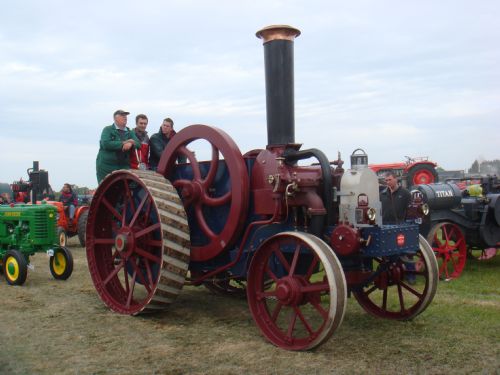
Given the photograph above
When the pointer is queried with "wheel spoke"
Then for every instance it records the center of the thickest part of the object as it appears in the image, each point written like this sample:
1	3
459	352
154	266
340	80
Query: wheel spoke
276	311
128	197
312	267
195	166
147	230
303	320
203	224
154	243
294	260
384	299
316	287
139	208
104	241
111	209
131	291
148	271
214	163
147	255
401	299
114	272
411	290
291	324
217	201
281	257
271	274
139	273
320	309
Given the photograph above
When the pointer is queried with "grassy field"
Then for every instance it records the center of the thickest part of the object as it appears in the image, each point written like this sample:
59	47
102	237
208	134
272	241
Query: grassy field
51	327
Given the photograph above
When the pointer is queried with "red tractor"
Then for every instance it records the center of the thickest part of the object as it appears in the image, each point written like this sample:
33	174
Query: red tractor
414	171
67	228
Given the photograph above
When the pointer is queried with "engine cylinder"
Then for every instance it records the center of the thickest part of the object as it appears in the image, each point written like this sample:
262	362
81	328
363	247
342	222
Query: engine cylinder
441	196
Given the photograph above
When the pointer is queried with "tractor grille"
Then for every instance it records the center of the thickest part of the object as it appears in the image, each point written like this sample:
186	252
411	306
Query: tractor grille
43	228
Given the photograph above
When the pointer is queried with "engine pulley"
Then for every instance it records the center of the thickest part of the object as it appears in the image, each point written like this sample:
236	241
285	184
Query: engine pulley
345	239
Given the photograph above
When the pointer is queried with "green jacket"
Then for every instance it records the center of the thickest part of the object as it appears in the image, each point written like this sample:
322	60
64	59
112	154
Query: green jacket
110	156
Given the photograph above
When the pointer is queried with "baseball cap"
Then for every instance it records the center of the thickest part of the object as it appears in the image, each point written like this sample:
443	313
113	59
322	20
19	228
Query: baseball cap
121	112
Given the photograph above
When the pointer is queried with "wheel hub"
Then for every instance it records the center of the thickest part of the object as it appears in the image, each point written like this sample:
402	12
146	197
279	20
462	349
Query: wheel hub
288	291
192	191
124	243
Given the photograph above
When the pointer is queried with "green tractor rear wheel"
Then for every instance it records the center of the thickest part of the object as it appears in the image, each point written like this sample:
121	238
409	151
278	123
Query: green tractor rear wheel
15	267
61	263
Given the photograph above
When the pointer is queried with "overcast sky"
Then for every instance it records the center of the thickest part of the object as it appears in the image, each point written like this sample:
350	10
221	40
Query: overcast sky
417	78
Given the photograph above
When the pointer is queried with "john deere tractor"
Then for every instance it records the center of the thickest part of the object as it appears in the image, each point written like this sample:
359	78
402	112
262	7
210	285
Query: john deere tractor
26	229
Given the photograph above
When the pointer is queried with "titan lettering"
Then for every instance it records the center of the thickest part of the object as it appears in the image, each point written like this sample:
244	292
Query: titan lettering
444	193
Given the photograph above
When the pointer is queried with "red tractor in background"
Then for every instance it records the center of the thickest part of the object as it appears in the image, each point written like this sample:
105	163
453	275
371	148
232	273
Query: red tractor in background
414	171
67	228
36	189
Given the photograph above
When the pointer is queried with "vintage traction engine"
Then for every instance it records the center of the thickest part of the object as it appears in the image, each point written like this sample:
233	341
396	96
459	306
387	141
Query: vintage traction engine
297	240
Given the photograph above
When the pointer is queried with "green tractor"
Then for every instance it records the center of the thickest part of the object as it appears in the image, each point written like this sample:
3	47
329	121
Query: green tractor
27	229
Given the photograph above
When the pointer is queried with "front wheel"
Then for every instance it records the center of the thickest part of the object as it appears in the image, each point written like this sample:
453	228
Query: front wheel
391	295
15	267
296	290
61	263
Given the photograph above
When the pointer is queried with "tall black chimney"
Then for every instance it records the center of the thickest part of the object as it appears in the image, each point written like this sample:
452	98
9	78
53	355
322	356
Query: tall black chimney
278	59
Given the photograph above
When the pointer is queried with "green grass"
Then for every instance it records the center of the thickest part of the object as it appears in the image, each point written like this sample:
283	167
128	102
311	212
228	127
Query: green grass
50	327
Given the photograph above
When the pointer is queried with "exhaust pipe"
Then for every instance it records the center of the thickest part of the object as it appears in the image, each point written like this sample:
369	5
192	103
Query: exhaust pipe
278	60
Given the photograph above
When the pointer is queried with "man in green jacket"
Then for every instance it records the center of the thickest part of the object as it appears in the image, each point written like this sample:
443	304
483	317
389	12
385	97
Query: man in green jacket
117	141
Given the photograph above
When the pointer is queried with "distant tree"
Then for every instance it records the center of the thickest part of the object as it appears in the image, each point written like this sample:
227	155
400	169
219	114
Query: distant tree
475	167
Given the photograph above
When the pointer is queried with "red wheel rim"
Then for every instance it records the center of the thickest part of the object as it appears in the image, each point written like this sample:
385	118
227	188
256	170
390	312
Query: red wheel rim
423	177
296	290
448	242
196	194
125	245
391	295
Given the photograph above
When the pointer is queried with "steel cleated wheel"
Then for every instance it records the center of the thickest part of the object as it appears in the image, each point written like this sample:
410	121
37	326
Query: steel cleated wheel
389	293
137	242
15	267
61	263
296	290
448	242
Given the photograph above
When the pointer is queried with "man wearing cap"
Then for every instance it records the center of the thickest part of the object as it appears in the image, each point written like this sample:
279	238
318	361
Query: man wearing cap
117	141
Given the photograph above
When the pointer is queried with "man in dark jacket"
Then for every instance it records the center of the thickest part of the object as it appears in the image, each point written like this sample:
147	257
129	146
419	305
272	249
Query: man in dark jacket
395	200
116	143
159	141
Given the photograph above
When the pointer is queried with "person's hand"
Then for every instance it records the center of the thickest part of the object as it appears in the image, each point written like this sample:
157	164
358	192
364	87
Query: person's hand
127	146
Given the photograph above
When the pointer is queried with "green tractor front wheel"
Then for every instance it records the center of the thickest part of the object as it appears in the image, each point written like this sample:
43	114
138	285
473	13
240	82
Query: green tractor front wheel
15	267
61	263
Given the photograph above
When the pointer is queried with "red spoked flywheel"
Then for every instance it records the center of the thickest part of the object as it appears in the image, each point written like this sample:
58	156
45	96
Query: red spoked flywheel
216	205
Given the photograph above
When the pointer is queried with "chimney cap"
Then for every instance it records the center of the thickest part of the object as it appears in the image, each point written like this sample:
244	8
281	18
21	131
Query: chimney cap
277	32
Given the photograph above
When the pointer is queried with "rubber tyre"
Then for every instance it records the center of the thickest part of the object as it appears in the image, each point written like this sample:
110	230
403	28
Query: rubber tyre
82	227
422	174
62	237
61	263
15	267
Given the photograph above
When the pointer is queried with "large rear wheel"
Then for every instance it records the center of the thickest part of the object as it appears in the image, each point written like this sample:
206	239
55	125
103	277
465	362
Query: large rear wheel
137	242
82	227
15	267
296	290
